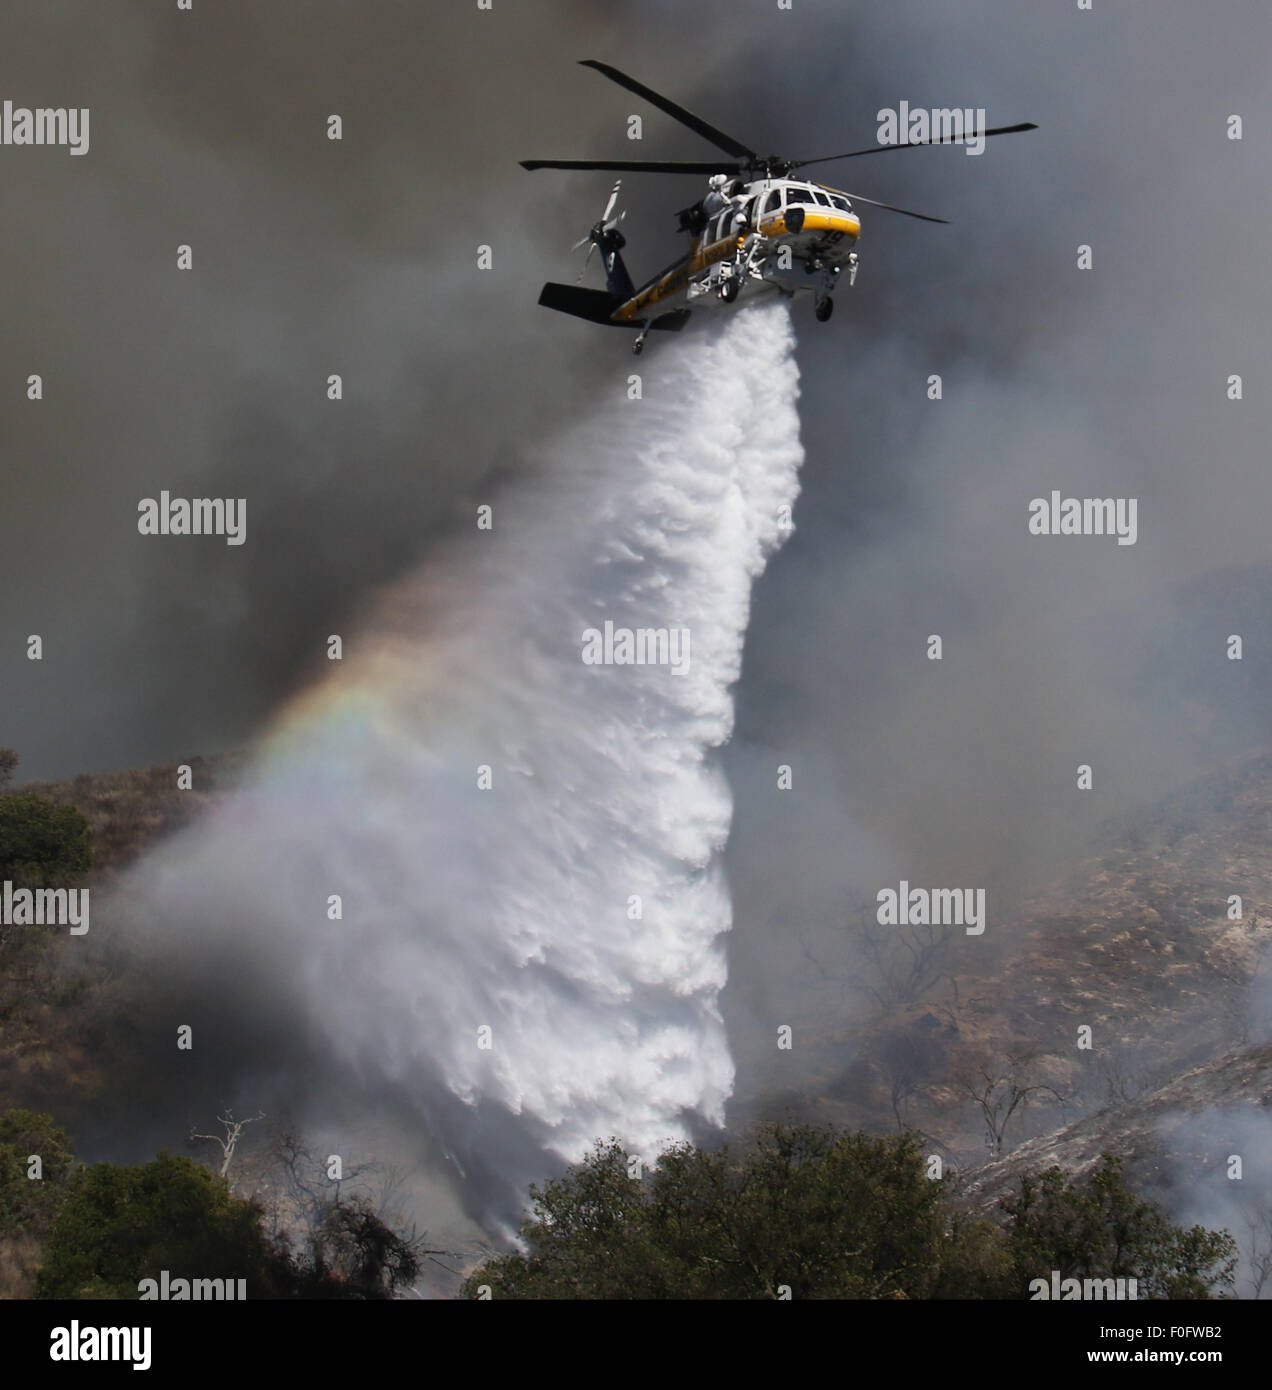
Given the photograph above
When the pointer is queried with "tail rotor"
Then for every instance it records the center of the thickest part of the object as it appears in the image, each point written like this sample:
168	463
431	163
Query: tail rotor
604	233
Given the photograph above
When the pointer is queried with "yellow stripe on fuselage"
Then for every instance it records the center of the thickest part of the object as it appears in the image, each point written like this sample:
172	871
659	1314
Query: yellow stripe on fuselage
814	221
676	280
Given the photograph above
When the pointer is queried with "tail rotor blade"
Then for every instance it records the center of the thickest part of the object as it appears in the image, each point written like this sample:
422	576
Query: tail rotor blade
587	260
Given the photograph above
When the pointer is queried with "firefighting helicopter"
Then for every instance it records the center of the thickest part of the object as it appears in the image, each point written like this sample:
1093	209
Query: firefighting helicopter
755	232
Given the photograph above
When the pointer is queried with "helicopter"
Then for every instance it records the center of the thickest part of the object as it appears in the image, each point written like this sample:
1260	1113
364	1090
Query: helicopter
756	231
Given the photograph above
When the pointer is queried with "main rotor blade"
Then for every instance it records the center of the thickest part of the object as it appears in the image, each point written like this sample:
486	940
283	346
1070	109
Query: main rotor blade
911	145
695	123
634	166
905	212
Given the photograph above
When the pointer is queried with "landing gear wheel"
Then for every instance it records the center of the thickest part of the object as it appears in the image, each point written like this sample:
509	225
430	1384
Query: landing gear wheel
824	308
638	346
729	290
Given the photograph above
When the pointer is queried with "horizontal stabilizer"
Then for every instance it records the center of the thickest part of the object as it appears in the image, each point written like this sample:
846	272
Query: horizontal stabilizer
594	305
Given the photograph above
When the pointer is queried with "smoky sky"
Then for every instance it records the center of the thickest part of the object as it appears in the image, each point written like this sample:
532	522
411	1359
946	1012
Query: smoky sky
359	257
309	257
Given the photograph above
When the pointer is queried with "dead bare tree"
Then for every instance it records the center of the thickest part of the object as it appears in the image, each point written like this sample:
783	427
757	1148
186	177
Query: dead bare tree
1125	1074
228	1142
905	963
388	1192
888	965
910	1058
308	1190
1003	1090
351	1222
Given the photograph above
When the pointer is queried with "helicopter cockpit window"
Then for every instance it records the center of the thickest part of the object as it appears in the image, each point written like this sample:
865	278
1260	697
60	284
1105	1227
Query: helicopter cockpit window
821	198
773	201
839	201
798	195
723	222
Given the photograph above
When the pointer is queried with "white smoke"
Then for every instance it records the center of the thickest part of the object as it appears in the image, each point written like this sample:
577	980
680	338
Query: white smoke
513	908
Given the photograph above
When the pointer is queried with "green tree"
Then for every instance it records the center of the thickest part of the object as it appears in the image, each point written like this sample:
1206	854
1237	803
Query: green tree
8	762
590	1237
1097	1228
41	843
833	1215
975	1260
28	1202
35	1166
120	1225
826	1215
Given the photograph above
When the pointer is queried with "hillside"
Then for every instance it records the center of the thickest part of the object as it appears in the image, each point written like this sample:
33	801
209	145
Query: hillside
128	811
1133	941
65	1013
1156	1134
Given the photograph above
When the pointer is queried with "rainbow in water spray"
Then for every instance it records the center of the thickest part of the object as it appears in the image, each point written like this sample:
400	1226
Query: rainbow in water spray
526	842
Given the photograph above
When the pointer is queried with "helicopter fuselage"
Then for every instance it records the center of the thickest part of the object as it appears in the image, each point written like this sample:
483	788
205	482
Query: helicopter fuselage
783	235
